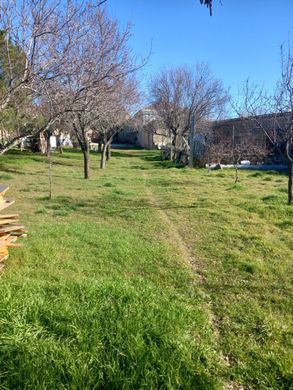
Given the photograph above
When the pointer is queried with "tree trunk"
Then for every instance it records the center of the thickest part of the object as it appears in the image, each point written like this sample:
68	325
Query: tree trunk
100	147
236	174
289	156
191	143
171	145
59	144
49	159
41	144
171	152
177	148
48	145
108	152
290	183
179	157
85	148
86	162
103	157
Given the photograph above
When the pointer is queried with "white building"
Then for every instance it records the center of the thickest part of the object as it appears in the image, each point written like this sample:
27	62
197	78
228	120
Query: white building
150	134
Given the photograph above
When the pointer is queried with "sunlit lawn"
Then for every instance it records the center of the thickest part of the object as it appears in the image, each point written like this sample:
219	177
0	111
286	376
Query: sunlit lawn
147	275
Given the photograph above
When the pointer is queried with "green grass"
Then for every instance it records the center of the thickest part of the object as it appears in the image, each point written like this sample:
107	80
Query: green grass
146	276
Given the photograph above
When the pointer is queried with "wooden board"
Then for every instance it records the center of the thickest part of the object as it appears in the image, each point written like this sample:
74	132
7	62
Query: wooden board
3	257
11	228
10	239
7	221
4	237
5	204
8	216
6	240
4	252
14	245
3	244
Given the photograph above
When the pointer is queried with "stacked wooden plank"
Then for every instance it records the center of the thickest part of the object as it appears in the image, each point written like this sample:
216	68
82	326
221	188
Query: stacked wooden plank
10	228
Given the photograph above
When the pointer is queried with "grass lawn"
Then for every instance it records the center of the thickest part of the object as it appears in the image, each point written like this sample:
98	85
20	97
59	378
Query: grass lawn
146	276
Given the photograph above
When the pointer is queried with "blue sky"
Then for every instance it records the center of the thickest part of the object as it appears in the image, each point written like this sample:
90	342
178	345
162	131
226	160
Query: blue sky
241	40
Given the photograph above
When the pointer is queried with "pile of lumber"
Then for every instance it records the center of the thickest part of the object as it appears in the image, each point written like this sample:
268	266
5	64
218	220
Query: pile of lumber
10	228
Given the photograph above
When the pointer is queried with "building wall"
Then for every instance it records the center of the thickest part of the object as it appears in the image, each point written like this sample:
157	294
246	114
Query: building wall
145	139
150	135
247	130
240	130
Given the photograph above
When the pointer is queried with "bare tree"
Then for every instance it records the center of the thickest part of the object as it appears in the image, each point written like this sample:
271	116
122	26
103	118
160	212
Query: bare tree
101	65
115	115
284	107
183	97
274	113
167	90
42	31
206	99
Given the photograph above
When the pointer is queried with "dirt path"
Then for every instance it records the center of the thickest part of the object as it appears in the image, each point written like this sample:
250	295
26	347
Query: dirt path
185	253
171	232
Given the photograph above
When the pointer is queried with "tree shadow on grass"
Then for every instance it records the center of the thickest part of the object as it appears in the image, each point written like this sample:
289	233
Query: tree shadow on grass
122	207
159	163
141	167
65	164
63	205
272	173
11	170
19	153
136	153
165	164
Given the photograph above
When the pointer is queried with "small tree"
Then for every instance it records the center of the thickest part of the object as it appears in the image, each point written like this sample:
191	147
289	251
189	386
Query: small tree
228	147
274	113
